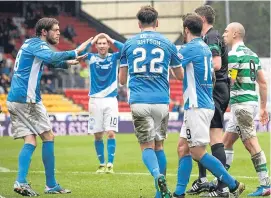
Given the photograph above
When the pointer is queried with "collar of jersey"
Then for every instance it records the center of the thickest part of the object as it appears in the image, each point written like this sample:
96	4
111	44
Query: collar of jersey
195	39
103	57
236	45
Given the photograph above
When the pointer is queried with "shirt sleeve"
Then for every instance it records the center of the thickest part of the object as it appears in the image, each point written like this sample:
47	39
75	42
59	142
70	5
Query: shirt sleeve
43	52
233	65
214	43
187	53
118	45
176	58
89	56
123	58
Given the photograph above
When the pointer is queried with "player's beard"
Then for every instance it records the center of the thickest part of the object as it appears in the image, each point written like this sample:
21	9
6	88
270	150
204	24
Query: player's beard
51	41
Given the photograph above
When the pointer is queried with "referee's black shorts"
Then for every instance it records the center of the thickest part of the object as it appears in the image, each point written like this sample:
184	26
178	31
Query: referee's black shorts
221	95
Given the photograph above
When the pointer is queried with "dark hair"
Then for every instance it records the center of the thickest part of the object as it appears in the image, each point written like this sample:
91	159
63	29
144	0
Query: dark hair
194	23
45	23
208	12
147	15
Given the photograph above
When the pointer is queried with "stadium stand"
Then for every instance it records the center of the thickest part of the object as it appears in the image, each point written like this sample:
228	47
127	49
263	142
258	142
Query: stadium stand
81	27
54	103
80	96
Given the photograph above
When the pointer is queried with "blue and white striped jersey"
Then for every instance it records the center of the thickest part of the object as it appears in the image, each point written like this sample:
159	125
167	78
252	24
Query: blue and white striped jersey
104	73
34	53
149	56
197	82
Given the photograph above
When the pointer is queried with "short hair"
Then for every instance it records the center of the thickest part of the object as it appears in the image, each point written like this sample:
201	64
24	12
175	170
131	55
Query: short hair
45	23
194	23
101	37
208	12
147	15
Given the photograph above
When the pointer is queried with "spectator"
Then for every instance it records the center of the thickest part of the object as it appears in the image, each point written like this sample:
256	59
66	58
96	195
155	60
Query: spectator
4	83
69	32
49	87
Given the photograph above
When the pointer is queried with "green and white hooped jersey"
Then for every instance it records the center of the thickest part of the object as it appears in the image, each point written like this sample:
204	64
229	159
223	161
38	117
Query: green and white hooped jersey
247	63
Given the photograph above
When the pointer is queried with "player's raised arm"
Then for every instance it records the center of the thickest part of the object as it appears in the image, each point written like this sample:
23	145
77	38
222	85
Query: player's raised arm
42	51
118	44
66	64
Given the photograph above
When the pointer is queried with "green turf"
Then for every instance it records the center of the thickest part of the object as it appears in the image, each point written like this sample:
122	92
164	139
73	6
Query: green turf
76	163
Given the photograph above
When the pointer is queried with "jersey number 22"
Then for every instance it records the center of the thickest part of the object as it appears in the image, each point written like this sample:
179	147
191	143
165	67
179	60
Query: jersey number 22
154	61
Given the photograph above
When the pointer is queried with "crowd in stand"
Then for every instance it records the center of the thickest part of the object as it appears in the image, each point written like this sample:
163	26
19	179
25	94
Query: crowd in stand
16	29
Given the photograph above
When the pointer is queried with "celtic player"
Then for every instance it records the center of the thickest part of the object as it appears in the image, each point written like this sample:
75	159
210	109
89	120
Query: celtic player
245	71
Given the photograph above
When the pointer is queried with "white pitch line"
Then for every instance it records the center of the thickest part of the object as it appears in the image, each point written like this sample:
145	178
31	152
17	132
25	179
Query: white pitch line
2	169
122	173
2	196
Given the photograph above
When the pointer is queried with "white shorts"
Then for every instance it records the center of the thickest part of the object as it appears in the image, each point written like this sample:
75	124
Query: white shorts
242	121
150	121
28	119
196	126
103	115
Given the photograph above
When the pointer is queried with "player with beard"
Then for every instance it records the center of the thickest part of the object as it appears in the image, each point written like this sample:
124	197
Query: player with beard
199	110
27	113
221	96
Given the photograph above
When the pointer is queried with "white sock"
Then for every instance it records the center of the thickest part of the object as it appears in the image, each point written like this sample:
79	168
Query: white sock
229	157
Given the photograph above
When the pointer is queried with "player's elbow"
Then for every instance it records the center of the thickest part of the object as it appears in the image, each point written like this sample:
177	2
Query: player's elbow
261	80
178	73
217	67
123	75
122	81
263	85
180	76
217	63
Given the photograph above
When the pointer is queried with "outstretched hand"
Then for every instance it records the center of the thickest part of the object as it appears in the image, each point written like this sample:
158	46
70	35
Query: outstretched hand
82	57
84	45
77	60
264	116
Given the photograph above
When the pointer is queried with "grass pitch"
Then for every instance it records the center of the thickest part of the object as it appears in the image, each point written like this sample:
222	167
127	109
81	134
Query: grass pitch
76	163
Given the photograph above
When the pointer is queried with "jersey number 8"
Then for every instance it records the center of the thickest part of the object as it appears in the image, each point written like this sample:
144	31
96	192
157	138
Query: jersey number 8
16	65
154	61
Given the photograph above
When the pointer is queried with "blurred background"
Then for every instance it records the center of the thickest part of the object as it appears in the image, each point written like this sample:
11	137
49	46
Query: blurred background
65	92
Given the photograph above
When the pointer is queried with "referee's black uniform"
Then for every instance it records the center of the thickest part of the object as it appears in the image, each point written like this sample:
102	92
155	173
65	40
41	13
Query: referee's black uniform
221	92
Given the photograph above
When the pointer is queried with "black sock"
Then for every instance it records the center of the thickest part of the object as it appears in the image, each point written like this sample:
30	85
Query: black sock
219	152
202	171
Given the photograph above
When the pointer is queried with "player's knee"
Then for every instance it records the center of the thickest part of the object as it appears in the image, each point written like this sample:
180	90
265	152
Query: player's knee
47	136
145	145
252	145
30	139
98	136
182	149
111	134
158	145
215	136
197	152
228	141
